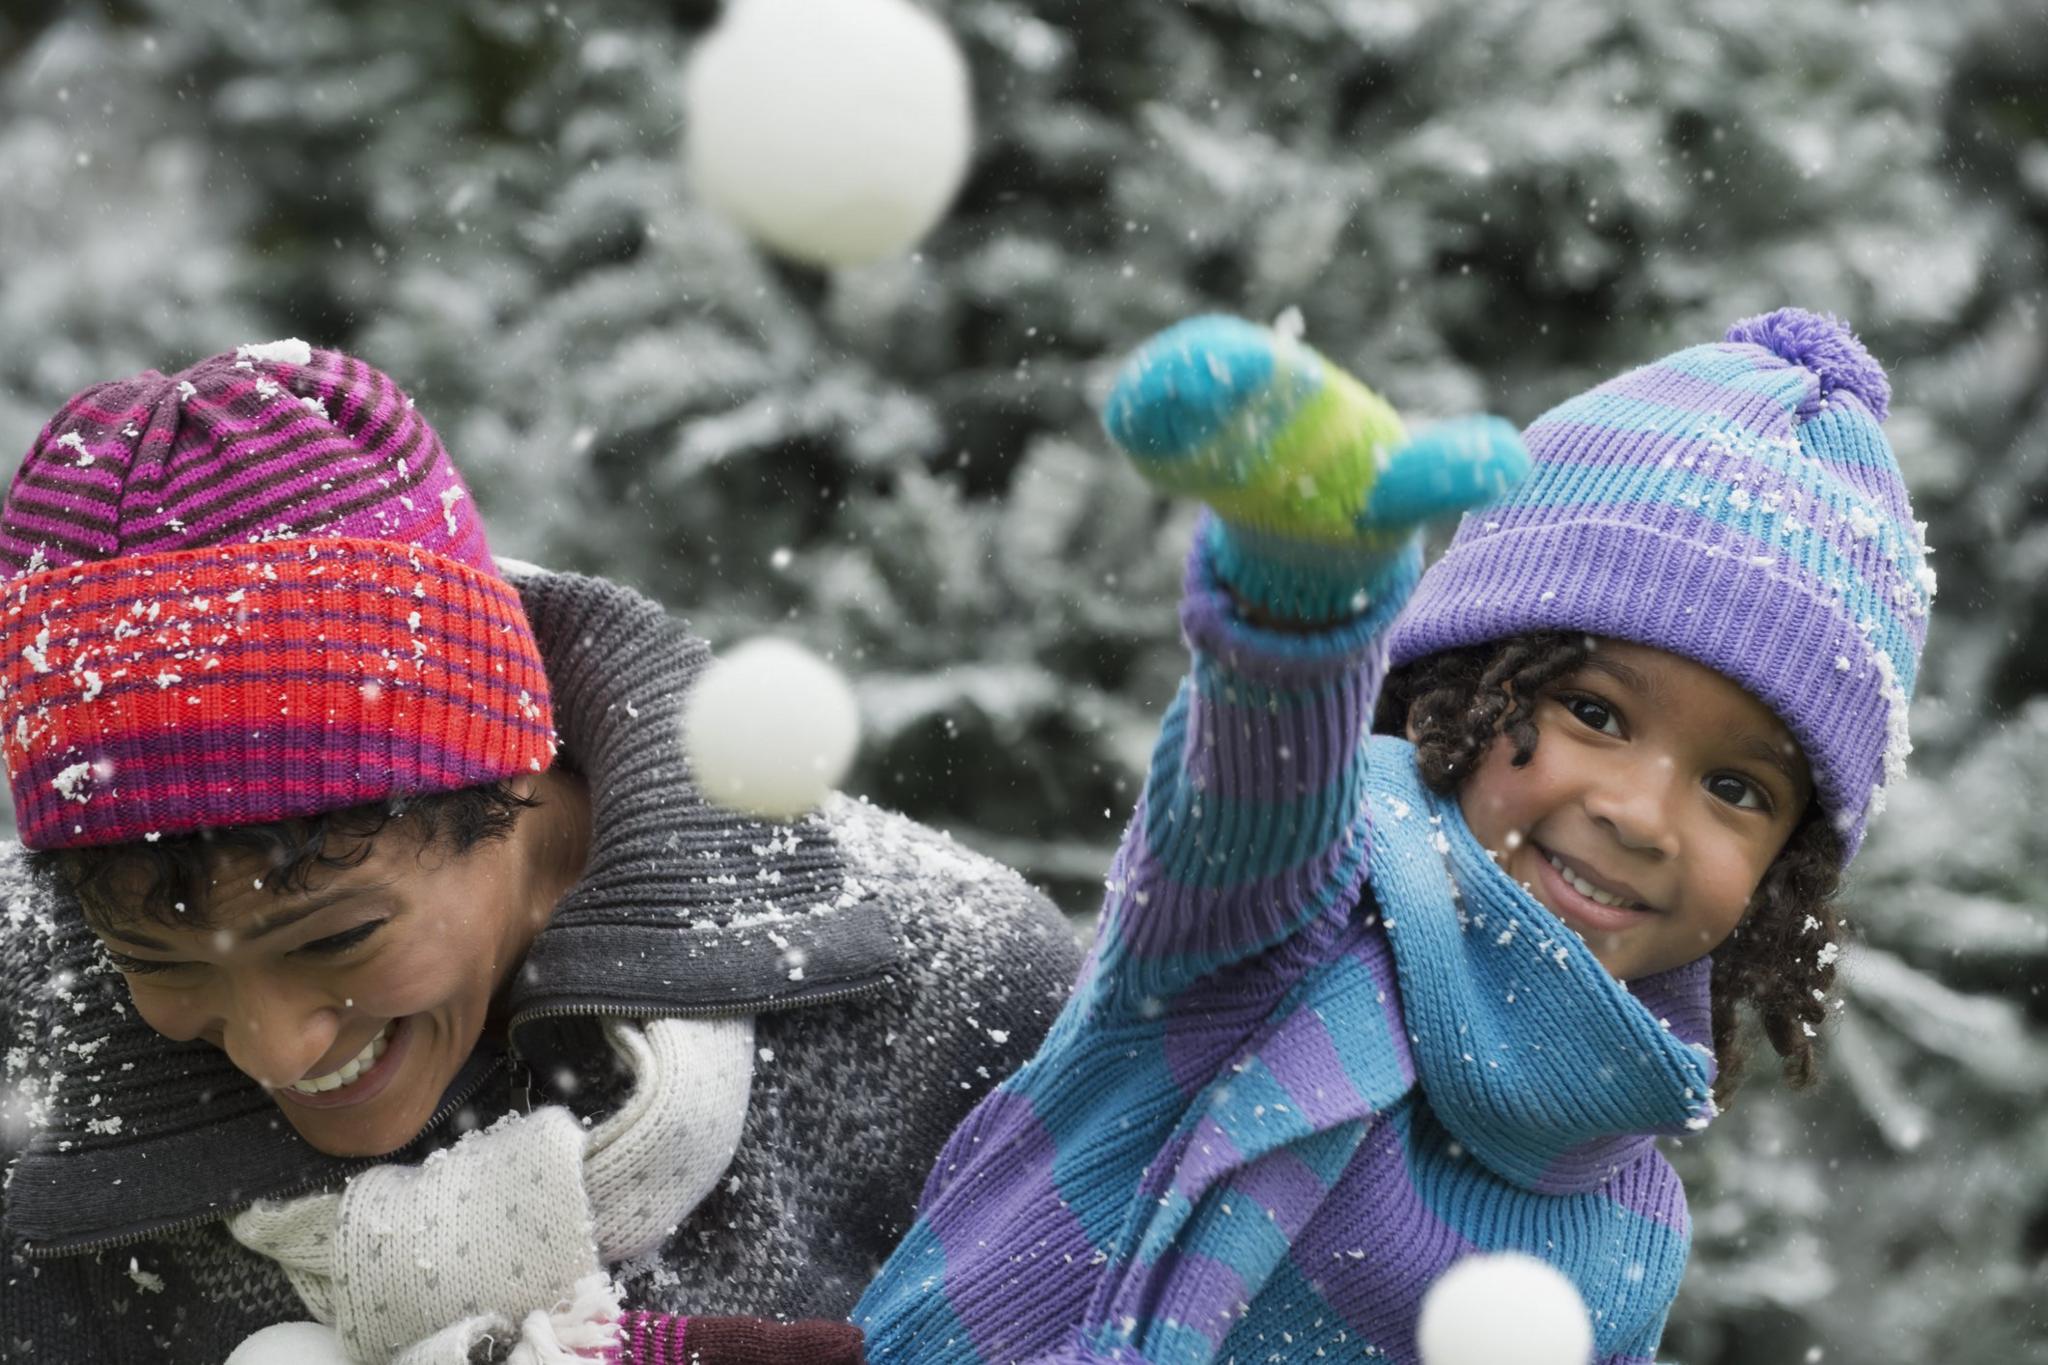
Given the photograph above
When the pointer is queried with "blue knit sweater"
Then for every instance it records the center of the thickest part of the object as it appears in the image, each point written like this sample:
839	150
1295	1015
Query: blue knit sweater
1322	1049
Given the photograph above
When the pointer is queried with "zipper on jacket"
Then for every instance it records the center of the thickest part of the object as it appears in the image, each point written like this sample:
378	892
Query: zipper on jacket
831	997
440	1116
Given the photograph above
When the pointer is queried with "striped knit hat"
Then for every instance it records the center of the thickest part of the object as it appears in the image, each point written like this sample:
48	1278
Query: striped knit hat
251	591
1736	504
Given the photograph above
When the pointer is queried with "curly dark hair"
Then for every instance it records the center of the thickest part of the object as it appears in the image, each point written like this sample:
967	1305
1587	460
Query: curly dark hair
1777	962
173	872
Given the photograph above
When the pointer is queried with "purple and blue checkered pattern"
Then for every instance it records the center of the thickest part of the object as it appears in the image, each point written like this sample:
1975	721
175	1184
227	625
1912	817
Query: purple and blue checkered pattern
1736	504
1322	1049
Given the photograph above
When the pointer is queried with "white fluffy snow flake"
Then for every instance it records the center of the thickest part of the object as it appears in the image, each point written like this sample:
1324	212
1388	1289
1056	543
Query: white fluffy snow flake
71	781
290	351
73	441
449	497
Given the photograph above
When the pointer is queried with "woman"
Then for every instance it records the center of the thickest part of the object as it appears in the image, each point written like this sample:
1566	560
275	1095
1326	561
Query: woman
345	847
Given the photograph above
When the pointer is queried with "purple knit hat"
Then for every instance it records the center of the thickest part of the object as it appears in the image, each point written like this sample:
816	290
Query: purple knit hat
252	590
1736	504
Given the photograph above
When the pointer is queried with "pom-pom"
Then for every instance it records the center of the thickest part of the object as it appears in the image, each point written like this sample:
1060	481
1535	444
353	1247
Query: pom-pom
1823	344
291	1343
770	729
1489	1309
836	133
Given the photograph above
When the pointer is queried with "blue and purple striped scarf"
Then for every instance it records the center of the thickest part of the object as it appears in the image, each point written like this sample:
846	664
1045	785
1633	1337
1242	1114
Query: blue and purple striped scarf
1322	1049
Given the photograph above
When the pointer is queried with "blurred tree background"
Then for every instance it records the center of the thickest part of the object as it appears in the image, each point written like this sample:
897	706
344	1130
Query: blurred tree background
1473	203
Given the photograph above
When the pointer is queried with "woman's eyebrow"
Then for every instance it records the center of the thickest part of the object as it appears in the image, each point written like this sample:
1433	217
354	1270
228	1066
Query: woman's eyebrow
266	926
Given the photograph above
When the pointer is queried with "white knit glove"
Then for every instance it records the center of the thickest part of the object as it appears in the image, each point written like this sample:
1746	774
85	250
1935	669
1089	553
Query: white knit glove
514	1224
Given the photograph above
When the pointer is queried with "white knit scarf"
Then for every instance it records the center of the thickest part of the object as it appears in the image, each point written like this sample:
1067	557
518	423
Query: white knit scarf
506	1234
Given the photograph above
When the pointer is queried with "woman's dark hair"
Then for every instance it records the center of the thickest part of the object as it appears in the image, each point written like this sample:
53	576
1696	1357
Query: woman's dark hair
1780	959
163	881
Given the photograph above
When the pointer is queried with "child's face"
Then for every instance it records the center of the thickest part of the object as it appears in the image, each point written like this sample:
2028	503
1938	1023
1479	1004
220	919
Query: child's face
1656	783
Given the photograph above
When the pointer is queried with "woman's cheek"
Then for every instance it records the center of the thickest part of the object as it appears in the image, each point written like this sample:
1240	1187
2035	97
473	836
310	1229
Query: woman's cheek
408	982
171	1013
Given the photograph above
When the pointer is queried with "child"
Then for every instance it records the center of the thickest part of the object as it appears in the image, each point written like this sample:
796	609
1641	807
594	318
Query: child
1346	1018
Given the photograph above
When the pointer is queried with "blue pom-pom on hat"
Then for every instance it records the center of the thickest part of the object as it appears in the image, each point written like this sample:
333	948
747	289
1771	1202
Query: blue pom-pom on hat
1823	344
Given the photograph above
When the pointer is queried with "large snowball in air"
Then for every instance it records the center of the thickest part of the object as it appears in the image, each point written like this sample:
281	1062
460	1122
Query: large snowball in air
1487	1310
291	1343
836	131
769	729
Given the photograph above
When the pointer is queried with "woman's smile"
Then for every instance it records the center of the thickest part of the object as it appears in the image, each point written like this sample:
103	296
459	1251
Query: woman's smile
362	1078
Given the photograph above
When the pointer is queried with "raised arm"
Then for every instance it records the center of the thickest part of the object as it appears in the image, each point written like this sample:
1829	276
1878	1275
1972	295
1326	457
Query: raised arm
1250	828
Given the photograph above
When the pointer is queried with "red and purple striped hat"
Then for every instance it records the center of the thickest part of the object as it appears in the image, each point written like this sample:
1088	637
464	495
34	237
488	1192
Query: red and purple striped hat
253	590
1734	503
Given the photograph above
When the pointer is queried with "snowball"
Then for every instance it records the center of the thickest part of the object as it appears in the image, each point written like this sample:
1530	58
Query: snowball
291	1343
836	133
770	729
1488	1309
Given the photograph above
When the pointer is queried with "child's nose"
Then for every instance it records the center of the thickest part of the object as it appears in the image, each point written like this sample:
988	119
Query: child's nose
1636	809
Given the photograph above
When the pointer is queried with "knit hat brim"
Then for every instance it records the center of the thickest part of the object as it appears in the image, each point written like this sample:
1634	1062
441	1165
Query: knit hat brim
1741	618
247	683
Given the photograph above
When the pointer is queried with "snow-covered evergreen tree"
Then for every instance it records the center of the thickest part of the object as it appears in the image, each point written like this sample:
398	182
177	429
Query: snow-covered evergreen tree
1474	204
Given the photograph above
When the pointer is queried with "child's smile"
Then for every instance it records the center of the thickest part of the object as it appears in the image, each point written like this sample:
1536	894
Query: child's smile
1658	795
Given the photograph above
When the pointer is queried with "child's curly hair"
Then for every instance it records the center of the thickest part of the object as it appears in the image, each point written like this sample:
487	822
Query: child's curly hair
1777	961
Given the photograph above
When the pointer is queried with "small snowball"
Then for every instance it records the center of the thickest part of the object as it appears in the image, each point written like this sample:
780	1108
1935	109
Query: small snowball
291	1343
1488	1309
770	729
838	133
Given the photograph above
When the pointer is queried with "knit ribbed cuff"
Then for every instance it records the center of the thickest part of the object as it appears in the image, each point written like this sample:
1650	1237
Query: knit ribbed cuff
242	684
1306	582
669	1339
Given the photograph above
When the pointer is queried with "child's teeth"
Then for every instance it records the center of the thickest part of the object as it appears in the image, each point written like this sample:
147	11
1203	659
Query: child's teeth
1586	888
349	1070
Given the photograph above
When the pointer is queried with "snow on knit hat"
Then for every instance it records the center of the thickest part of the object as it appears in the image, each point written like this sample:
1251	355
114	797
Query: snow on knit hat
1736	504
253	590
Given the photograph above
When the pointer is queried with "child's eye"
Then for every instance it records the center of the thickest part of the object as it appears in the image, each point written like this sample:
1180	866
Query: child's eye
1739	792
342	942
1593	714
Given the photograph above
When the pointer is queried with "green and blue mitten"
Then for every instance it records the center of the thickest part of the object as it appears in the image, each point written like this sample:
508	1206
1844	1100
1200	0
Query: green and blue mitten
1318	490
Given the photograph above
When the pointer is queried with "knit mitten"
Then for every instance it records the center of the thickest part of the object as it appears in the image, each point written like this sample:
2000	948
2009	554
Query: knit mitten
668	1339
1317	488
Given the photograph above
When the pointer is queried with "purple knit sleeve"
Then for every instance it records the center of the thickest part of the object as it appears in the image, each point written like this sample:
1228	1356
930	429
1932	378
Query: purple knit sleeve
1252	824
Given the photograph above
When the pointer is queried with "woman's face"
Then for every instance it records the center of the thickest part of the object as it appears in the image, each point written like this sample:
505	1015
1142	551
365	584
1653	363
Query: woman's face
356	1001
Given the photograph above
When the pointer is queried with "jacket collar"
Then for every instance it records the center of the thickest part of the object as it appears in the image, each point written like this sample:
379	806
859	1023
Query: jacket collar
684	909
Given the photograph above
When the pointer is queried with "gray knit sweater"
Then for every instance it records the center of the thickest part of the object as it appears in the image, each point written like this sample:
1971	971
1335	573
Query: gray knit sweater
928	974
